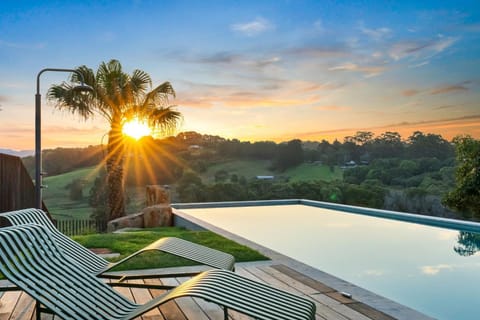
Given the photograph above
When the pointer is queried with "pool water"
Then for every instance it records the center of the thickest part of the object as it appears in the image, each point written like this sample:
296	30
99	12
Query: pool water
433	270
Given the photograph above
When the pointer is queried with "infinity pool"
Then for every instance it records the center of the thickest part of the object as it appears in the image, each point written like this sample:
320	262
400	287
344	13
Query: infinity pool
431	269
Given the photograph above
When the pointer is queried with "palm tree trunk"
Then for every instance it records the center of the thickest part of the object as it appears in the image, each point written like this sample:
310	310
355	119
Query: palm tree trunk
115	183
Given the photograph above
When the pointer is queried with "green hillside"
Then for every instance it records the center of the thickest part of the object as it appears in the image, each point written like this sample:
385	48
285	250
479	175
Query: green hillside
247	168
252	168
57	194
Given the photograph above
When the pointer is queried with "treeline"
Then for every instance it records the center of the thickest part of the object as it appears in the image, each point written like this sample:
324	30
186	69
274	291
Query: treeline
62	160
178	153
384	171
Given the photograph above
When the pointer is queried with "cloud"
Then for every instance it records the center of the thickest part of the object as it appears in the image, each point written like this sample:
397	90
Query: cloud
319	51
368	71
232	59
376	34
13	85
279	93
448	106
2	99
253	28
434	270
16	45
218	57
447	88
332	108
374	272
318	26
420	64
448	127
410	92
420	49
450	88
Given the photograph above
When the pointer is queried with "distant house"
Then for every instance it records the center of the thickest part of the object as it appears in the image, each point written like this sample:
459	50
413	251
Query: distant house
194	149
349	164
265	177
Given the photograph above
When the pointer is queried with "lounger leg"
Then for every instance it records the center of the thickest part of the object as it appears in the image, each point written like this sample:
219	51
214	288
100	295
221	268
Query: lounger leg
225	313
37	310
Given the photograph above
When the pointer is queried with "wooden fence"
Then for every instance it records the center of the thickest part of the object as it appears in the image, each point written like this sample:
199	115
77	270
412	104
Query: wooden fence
17	190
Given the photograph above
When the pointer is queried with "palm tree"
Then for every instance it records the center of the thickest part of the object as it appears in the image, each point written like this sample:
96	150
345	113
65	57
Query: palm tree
117	97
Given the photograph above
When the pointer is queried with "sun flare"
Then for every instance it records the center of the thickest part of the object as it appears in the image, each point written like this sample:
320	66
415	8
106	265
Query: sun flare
136	129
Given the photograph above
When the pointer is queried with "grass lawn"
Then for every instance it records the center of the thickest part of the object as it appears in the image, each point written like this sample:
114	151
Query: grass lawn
247	168
129	242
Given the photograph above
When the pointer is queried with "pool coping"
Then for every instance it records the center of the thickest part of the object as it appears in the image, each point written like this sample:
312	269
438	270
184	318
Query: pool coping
372	299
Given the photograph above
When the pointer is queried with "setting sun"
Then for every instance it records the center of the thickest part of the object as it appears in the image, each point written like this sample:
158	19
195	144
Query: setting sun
136	129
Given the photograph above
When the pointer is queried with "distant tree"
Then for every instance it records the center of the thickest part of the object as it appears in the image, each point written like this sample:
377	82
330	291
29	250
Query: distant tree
362	137
466	195
221	175
408	168
76	189
289	155
356	175
387	145
190	188
263	150
327	153
429	145
98	200
371	196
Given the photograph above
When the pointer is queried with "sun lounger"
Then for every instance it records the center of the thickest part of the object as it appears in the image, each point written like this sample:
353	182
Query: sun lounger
101	267
31	259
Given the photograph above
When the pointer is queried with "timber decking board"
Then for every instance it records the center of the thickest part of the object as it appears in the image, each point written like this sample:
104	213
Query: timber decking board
169	310
331	305
322	288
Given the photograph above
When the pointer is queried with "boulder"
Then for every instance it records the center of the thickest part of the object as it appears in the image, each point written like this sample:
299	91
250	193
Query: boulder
157	194
130	221
157	216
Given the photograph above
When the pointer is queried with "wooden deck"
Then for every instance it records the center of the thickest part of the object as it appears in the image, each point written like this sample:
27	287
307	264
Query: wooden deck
330	303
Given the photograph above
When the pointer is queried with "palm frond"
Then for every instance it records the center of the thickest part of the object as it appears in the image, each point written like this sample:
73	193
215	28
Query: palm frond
70	100
140	81
166	119
159	95
88	76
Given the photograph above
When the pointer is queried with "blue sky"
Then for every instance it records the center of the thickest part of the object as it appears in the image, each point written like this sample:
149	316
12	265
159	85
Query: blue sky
253	70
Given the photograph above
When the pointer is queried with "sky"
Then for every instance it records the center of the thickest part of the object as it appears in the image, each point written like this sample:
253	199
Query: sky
252	70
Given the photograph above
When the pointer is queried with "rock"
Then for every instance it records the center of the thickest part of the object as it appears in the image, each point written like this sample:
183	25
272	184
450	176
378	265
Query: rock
157	194
130	221
157	216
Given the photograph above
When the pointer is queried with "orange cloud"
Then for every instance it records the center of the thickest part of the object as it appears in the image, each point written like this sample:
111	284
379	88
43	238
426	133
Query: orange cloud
410	92
280	94
332	108
368	71
447	128
447	89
